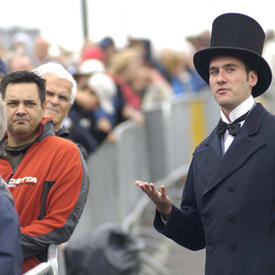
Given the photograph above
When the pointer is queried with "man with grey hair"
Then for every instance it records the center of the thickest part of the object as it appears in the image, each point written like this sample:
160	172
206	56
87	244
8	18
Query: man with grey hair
10	252
61	91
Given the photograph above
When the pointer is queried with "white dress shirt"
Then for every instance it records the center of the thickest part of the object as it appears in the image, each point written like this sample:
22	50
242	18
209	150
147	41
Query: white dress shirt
240	110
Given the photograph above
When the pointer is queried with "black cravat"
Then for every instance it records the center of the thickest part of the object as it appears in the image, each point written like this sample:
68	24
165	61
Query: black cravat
233	128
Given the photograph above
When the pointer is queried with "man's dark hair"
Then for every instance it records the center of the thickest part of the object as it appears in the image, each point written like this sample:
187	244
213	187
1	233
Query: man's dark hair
24	77
247	68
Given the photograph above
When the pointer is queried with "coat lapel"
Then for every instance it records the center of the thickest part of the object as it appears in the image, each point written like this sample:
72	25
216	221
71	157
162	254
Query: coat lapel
244	145
209	156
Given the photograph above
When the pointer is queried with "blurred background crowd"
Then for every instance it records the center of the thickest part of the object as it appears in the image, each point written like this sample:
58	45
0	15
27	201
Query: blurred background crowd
114	84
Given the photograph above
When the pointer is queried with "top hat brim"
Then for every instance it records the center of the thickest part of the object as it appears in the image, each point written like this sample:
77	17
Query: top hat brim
256	62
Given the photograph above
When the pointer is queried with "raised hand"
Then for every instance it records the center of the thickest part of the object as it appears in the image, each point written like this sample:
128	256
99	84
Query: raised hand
159	198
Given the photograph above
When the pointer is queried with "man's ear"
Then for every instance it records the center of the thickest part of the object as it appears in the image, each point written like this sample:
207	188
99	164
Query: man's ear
252	78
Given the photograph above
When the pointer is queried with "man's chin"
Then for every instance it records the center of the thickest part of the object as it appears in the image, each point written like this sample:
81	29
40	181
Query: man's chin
223	101
51	113
21	130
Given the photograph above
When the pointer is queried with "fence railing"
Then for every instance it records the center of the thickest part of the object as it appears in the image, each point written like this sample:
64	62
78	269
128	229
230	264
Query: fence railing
151	152
55	264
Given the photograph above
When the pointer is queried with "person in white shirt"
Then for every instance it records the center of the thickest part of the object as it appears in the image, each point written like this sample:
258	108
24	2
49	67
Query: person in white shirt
228	202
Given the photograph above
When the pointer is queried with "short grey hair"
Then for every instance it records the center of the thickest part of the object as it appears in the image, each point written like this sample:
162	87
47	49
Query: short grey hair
58	70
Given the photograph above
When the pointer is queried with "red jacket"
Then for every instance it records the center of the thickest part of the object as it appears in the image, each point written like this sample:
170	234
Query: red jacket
49	188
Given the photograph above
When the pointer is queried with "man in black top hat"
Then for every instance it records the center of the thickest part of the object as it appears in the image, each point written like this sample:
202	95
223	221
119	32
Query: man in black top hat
228	203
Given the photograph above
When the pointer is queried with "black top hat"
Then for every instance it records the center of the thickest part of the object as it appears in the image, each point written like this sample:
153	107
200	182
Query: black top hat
240	36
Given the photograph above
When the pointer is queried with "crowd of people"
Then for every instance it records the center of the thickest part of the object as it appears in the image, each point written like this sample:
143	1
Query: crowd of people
113	84
51	96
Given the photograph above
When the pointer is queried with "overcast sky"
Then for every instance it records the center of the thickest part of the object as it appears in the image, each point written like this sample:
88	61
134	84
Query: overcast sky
165	22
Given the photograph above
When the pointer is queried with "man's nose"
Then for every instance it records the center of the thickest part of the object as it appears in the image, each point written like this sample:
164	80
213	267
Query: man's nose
54	99
21	109
220	76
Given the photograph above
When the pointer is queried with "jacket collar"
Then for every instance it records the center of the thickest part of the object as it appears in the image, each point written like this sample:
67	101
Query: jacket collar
46	128
214	167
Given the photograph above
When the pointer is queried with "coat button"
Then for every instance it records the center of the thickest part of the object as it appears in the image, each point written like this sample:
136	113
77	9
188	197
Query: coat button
210	248
231	216
208	220
231	188
232	245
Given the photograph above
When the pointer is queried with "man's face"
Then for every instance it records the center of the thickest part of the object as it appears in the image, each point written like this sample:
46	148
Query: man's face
58	94
229	82
24	110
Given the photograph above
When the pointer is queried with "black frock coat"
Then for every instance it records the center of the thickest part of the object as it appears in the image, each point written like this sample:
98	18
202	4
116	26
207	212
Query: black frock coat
228	203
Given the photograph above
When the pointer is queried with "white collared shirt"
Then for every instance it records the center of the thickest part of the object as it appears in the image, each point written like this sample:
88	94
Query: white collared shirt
240	110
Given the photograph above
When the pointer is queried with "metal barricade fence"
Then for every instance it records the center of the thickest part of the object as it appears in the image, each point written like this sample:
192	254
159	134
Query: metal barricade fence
172	129
150	152
55	264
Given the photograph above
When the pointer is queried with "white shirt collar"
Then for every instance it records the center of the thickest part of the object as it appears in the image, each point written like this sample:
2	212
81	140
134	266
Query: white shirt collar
240	110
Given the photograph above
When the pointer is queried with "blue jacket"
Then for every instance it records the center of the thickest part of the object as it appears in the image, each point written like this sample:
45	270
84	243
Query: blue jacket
228	203
10	249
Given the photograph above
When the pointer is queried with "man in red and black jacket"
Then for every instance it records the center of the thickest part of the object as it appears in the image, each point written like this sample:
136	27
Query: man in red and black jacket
46	174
